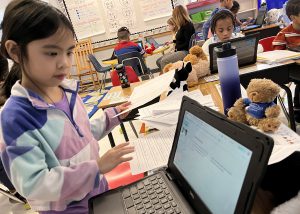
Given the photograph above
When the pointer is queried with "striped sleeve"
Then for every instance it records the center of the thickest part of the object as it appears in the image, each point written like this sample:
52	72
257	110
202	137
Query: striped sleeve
27	165
279	43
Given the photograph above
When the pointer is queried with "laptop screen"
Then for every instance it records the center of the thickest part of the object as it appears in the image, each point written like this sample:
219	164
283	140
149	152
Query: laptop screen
246	50
140	43
261	16
221	164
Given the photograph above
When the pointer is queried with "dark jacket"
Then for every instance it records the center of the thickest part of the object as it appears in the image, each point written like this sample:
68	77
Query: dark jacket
183	37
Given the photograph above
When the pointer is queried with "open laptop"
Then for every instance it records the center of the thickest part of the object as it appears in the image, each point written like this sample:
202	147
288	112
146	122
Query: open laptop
140	43
151	40
259	21
215	166
246	50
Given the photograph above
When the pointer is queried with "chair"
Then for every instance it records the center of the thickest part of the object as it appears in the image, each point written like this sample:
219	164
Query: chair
121	175
196	39
136	61
132	76
100	69
87	76
267	43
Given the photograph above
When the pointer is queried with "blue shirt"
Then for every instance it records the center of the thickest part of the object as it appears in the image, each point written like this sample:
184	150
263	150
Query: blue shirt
256	110
206	24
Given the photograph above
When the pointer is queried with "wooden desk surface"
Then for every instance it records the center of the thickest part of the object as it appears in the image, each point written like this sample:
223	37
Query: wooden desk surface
125	92
264	27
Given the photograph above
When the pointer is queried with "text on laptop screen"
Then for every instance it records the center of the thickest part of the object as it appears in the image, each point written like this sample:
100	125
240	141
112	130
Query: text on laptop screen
245	50
212	163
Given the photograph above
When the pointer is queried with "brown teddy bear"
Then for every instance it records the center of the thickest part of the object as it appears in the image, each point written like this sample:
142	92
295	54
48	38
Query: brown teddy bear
258	109
199	63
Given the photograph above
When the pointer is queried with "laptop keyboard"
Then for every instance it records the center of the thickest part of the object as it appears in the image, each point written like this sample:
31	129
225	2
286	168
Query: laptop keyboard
150	196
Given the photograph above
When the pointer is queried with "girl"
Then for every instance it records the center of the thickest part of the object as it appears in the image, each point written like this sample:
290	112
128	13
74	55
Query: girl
222	27
185	31
173	28
48	145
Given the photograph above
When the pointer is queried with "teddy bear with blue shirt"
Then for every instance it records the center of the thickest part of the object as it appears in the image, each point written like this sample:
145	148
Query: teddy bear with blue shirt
258	109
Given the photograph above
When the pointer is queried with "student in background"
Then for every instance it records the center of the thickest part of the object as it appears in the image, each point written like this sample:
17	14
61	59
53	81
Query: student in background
235	9
49	147
185	31
289	38
227	4
173	28
125	45
222	28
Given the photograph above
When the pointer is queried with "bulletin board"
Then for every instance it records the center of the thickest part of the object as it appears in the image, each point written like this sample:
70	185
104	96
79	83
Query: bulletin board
100	19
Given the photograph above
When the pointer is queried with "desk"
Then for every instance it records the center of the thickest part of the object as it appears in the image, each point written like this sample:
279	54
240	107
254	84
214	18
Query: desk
111	62
114	62
265	31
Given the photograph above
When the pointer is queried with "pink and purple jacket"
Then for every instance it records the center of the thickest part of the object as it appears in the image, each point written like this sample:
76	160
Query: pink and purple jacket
50	157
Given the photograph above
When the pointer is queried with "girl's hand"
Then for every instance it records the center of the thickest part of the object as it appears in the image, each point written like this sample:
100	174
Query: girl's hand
114	157
123	107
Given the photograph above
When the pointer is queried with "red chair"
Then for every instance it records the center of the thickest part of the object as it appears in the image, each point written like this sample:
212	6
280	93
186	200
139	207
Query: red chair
121	175
132	76
267	43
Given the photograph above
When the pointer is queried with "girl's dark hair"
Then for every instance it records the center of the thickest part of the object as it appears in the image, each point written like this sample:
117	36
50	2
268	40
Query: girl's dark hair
292	8
222	14
25	21
235	7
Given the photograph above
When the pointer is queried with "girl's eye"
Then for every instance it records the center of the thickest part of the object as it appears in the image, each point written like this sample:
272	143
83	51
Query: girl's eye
51	53
70	53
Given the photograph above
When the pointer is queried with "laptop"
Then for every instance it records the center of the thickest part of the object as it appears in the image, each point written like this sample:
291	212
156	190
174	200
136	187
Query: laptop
215	166
151	40
246	50
140	43
259	19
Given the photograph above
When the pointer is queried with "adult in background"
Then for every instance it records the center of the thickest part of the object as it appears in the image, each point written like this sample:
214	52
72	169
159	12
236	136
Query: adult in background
185	31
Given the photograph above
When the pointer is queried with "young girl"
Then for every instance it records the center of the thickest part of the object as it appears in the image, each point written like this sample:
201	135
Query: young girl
185	31
48	145
173	28
222	28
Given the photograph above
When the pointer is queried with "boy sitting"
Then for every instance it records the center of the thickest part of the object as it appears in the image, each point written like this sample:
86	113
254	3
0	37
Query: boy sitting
289	38
125	45
206	26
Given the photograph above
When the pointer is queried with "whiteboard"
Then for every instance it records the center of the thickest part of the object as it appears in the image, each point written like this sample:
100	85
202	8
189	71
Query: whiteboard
100	19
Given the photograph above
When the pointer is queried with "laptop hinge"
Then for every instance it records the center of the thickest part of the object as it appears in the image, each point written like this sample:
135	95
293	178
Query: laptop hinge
170	177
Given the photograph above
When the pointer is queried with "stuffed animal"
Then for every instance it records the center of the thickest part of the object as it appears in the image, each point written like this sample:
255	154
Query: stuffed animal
258	109
200	65
180	77
273	16
149	48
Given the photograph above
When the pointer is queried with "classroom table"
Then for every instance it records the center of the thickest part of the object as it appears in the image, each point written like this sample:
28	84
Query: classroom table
265	30
113	62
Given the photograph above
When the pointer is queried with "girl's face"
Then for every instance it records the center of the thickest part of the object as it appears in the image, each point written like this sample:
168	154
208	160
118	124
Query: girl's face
224	29
49	60
170	27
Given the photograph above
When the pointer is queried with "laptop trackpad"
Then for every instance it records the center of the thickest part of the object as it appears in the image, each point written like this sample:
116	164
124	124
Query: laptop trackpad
105	203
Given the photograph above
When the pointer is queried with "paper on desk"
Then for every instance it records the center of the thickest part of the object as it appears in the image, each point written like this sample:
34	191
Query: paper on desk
277	56
286	141
151	151
149	90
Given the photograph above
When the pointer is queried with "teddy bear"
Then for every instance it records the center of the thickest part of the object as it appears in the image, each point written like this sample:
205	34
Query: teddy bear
258	109
180	77
200	65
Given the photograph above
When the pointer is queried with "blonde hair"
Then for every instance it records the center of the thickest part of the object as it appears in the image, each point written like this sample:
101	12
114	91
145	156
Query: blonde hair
171	21
180	16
